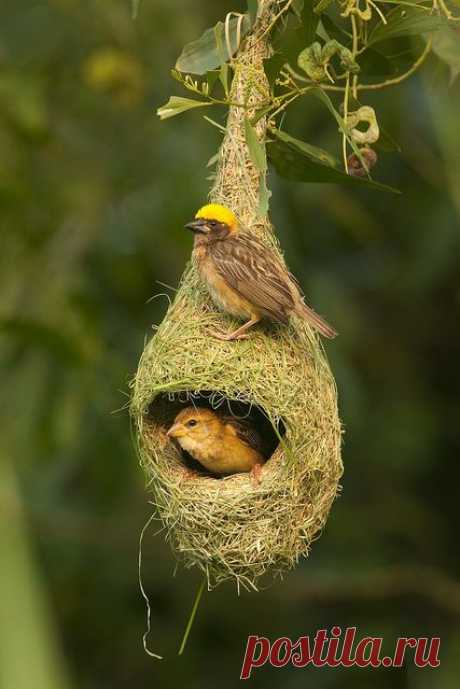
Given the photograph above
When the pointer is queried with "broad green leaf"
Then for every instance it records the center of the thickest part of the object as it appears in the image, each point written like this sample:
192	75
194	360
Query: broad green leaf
400	52
256	149
405	22
223	74
223	77
272	66
297	161
252	10
258	156
290	40
202	55
446	45
264	196
310	22
375	65
211	77
333	30
177	104
313	152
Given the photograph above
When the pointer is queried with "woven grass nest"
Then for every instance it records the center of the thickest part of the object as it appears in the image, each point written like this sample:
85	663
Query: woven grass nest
233	528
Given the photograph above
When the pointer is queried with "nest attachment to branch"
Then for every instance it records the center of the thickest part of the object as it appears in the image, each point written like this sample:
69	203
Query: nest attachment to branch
233	528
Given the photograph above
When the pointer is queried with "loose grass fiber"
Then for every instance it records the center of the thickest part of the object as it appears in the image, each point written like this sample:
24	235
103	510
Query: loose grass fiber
232	528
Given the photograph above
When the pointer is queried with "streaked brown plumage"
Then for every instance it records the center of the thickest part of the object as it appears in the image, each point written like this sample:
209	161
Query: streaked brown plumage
222	444
246	278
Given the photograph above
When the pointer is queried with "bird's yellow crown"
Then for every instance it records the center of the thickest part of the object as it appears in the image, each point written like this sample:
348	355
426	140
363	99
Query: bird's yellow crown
214	211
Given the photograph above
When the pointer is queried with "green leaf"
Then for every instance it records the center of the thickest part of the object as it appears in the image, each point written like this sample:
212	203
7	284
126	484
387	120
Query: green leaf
446	45
256	149
202	55
315	59
272	66
258	157
259	114
375	65
176	105
333	30
297	7
313	152
211	77
223	74
289	40
264	196
300	162
252	10
405	22
339	119
310	22
322	5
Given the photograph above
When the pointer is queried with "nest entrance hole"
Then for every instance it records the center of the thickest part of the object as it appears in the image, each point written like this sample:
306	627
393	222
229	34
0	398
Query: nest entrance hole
163	410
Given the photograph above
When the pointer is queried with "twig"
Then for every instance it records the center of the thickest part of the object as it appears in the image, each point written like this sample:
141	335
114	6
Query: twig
274	20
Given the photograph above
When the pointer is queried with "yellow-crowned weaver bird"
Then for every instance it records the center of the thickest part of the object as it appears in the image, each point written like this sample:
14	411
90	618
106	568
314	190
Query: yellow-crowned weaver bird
245	277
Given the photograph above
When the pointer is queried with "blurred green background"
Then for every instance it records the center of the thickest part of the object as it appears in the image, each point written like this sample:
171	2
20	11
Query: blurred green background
94	193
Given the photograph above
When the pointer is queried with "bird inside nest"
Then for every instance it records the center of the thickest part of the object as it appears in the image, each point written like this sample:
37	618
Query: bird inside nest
246	278
221	444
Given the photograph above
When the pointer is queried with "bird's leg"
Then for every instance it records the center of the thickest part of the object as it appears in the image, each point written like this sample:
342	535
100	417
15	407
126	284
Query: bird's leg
239	334
256	473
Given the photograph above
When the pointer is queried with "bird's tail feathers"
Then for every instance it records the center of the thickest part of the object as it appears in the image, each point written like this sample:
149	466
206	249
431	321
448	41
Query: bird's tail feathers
316	321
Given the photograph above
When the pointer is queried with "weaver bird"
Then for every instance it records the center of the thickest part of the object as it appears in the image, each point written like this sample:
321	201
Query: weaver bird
244	277
222	444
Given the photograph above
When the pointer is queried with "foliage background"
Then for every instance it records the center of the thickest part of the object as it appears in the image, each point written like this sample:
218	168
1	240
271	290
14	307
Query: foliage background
94	192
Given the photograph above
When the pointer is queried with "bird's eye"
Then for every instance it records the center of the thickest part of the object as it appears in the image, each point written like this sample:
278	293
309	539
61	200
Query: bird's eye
213	223
192	423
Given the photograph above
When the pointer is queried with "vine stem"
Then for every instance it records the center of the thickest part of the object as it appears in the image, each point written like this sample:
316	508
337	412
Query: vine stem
366	87
345	117
397	80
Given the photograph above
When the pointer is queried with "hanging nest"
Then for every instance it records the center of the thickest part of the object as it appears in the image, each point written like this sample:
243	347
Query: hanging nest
279	379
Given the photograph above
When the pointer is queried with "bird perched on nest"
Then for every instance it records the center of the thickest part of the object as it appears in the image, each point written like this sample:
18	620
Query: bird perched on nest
222	444
245	277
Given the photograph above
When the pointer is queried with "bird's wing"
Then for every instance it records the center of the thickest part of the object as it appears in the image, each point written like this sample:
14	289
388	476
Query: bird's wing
245	432
256	273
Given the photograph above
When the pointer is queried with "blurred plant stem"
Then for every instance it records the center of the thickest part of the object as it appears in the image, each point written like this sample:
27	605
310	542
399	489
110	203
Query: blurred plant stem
30	657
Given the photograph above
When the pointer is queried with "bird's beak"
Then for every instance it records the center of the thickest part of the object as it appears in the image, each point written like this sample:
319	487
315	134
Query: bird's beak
198	226
175	431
